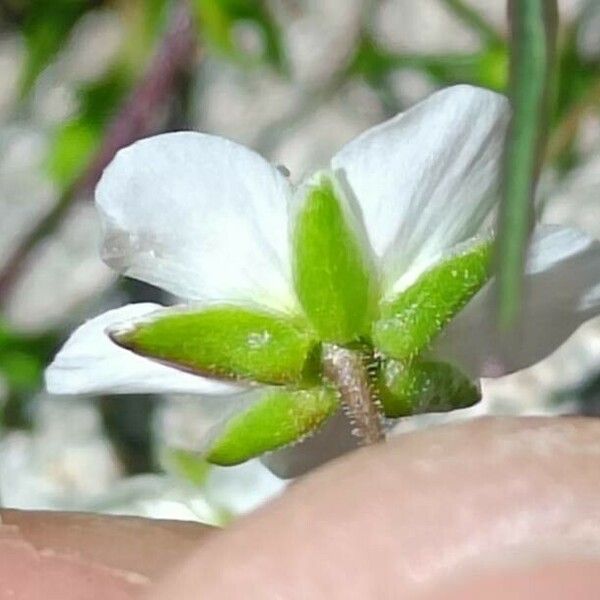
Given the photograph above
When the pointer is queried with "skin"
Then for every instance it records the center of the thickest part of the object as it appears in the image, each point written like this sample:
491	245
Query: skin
494	508
83	556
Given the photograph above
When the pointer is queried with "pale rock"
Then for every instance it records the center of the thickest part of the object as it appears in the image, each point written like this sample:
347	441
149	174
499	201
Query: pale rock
63	272
26	194
63	461
12	54
182	422
574	200
319	37
309	144
427	26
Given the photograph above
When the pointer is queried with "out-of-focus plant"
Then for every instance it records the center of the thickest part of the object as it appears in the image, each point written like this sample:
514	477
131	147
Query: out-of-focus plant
78	138
22	362
45	26
241	31
487	66
533	35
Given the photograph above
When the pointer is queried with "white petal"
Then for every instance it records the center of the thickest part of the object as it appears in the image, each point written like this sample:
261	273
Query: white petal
199	216
562	291
90	363
427	179
330	441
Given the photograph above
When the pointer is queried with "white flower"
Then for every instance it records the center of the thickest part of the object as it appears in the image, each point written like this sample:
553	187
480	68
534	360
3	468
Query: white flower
209	220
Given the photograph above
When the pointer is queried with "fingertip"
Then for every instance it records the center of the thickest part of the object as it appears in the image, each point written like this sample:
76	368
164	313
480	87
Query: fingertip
76	555
406	515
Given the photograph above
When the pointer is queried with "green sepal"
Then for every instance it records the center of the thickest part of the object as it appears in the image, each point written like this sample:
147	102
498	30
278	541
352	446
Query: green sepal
333	274
280	417
226	342
411	321
422	387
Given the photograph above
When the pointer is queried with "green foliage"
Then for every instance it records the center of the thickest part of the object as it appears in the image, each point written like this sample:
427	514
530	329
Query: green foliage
533	28
332	274
410	321
73	146
226	342
487	67
47	23
279	418
576	75
577	93
220	22
21	370
76	140
22	361
23	357
423	386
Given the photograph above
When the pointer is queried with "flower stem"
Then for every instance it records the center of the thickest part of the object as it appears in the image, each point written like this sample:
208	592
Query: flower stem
347	371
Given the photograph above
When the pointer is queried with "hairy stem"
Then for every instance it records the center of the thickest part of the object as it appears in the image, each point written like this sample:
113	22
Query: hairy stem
135	119
347	371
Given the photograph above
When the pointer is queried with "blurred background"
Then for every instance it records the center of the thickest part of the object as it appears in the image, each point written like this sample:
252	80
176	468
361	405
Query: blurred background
293	79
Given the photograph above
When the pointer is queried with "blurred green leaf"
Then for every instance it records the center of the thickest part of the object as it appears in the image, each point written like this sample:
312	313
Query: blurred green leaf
578	93
21	371
40	346
76	140
488	67
492	71
223	23
533	41
46	28
575	74
73	145
22	361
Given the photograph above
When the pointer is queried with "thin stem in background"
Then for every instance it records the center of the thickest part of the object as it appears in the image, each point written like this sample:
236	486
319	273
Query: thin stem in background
136	118
533	42
468	15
